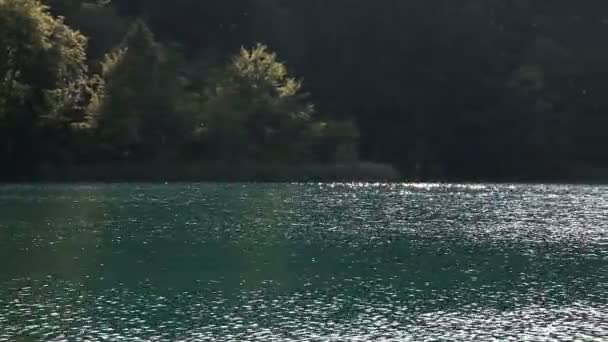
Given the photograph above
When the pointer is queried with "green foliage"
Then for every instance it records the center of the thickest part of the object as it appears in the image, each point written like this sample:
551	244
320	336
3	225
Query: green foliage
256	111
44	86
41	56
139	97
98	21
338	141
403	81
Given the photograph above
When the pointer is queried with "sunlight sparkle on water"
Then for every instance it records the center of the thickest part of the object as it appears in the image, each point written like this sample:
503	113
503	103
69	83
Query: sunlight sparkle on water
303	262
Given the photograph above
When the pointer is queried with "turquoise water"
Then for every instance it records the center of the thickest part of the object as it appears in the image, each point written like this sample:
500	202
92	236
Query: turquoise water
342	262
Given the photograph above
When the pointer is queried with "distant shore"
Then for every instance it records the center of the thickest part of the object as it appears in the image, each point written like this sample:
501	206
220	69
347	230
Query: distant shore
213	172
275	173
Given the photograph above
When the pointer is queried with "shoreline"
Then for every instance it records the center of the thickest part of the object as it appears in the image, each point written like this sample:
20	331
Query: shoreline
219	172
250	172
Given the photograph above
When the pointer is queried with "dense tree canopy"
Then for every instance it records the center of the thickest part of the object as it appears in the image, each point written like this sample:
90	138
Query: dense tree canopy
44	85
472	89
135	117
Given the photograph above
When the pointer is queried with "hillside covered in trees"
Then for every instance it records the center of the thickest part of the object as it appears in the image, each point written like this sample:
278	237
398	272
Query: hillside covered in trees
442	89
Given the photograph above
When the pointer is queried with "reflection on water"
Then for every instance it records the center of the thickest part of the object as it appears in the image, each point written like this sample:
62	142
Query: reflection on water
341	262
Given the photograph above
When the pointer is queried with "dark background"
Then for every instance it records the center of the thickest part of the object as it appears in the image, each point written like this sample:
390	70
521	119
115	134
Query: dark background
472	89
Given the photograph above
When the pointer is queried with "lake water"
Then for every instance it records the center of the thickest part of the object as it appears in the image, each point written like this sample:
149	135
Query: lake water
342	262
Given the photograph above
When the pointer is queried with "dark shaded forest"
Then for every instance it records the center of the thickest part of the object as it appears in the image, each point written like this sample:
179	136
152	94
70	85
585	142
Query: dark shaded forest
441	89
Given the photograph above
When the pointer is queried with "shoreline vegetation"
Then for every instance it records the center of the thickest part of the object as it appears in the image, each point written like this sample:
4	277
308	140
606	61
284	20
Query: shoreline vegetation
216	172
254	172
211	90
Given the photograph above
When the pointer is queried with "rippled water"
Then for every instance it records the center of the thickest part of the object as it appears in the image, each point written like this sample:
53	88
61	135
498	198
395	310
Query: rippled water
343	262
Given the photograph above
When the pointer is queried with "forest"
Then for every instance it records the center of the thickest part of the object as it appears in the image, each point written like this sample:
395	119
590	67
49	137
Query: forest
490	90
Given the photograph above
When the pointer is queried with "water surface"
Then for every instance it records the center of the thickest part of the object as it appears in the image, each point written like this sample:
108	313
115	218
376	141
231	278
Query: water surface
342	262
